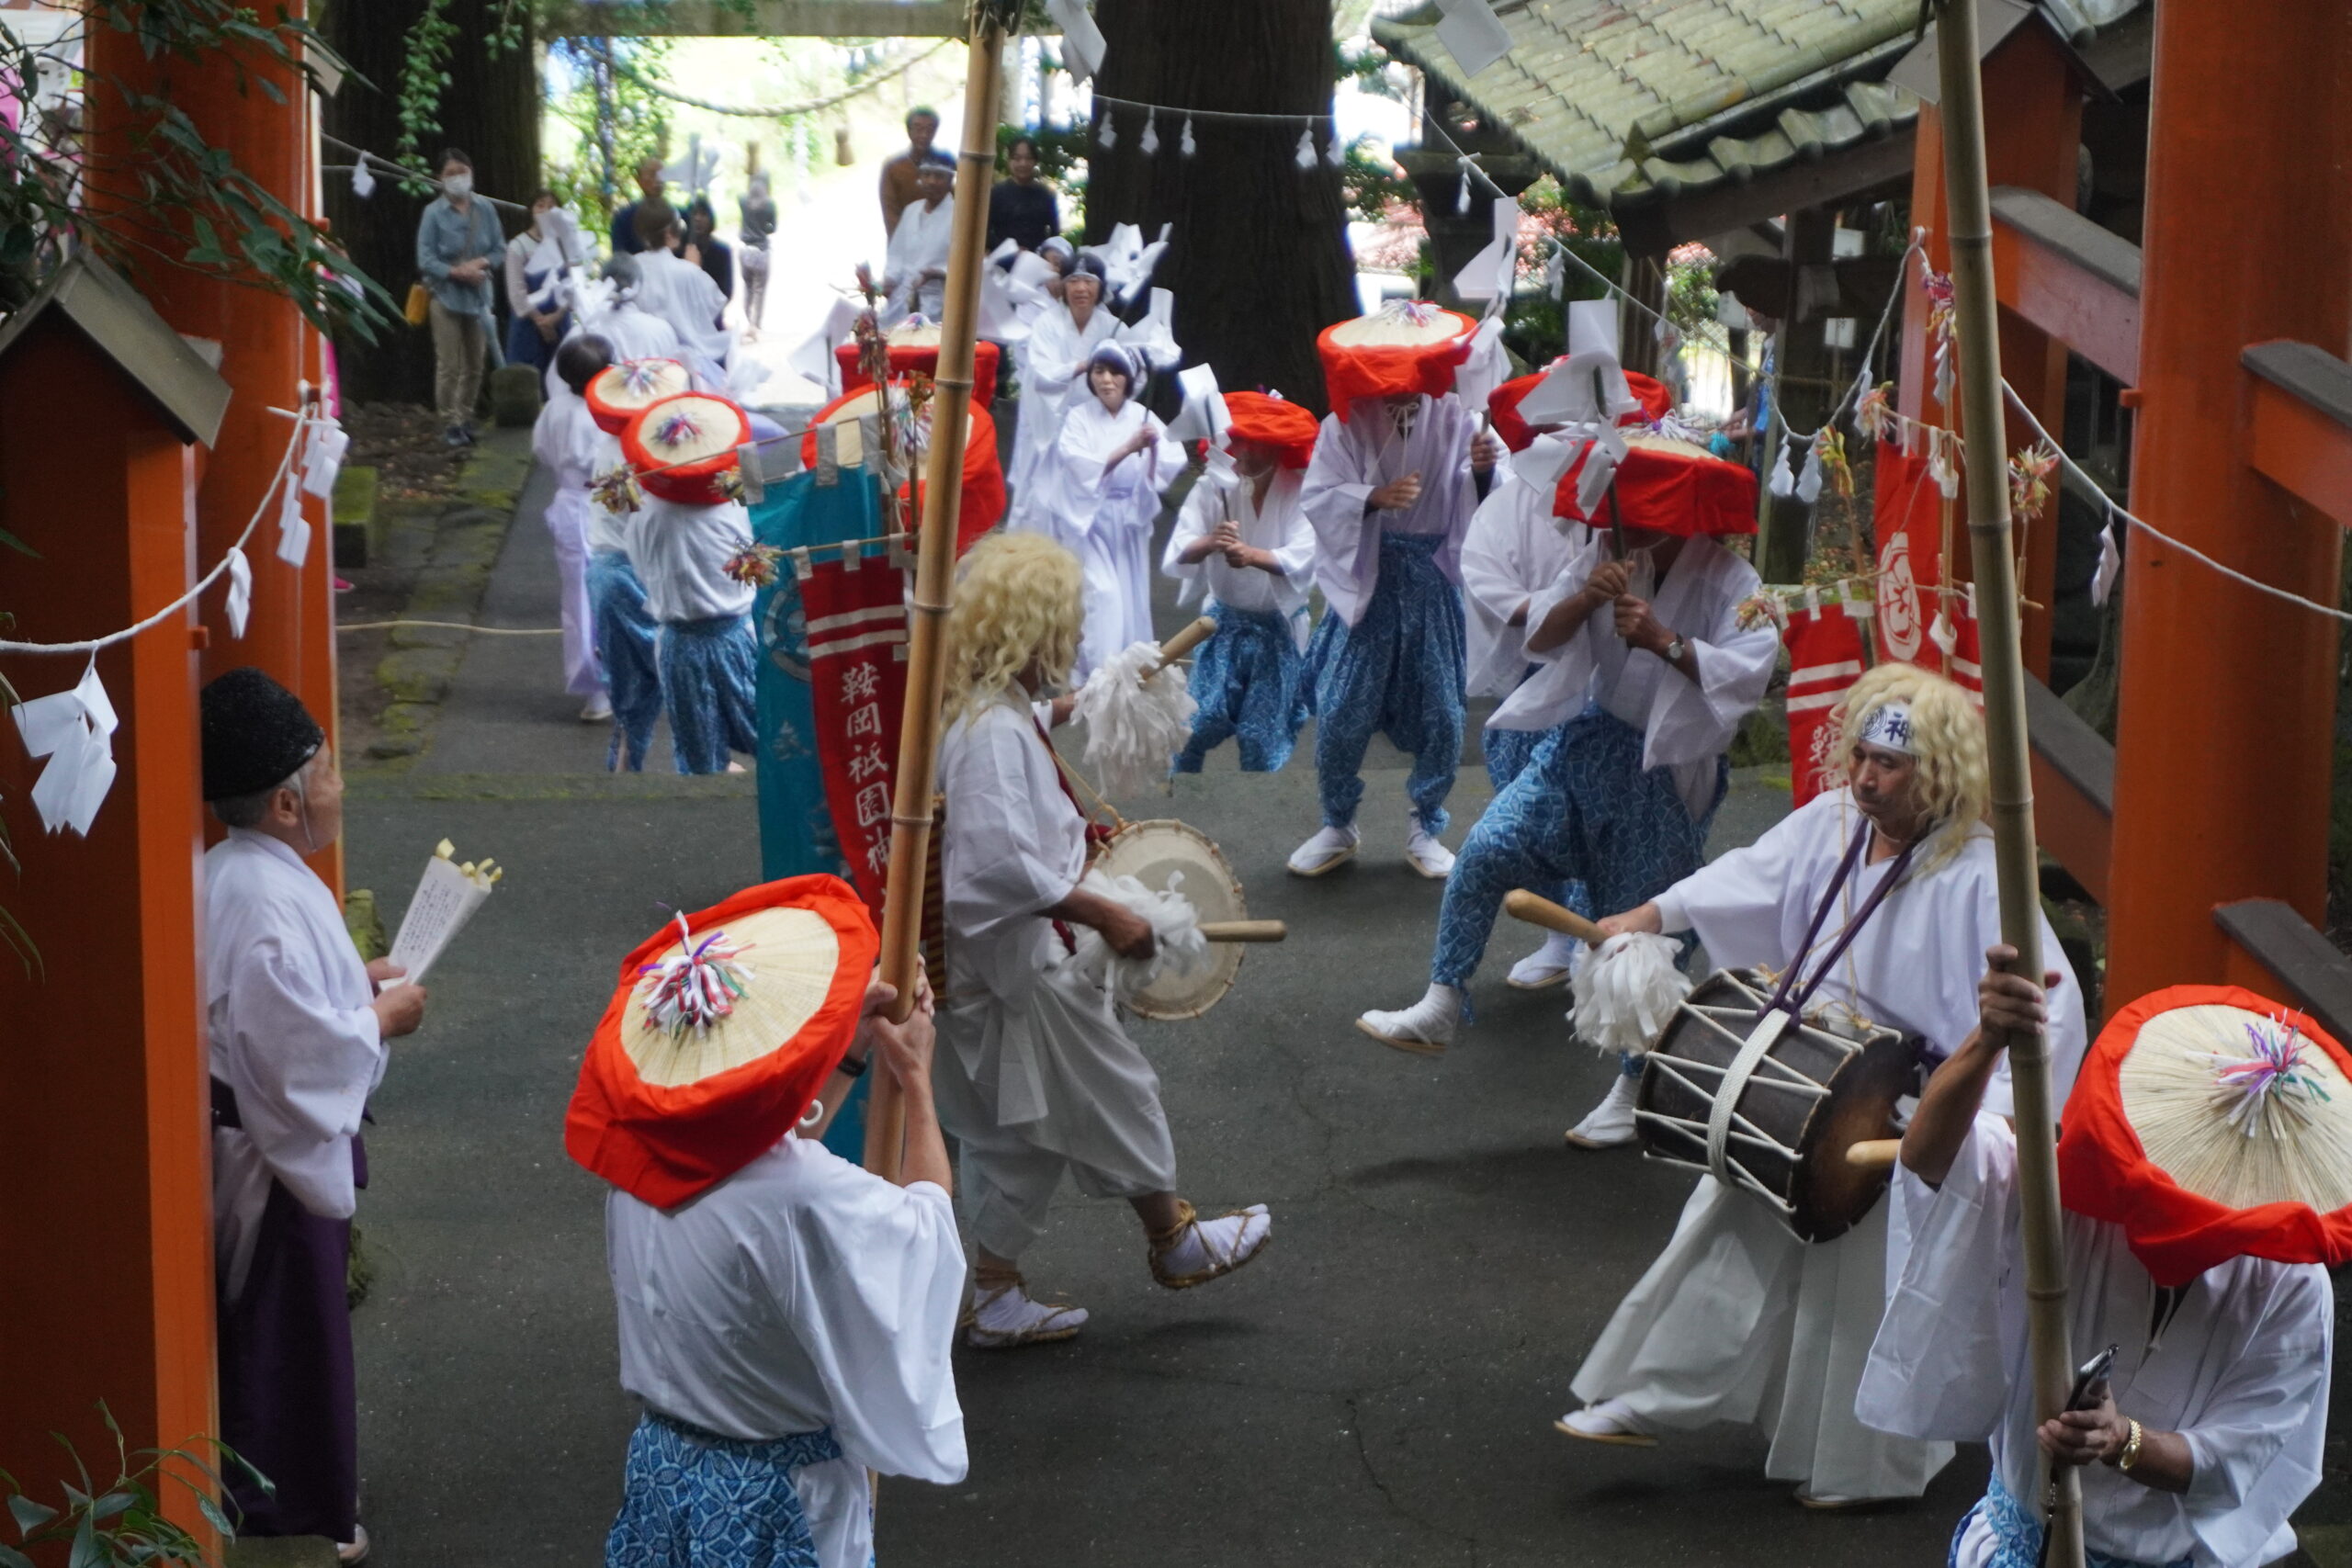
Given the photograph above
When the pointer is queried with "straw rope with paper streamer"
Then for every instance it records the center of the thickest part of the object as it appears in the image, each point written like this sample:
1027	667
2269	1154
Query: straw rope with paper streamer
696	987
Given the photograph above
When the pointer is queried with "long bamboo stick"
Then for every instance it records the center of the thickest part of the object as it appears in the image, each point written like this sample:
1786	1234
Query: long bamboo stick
885	1119
1975	310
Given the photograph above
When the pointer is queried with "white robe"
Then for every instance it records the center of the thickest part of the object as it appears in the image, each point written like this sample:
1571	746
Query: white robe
800	1293
286	1010
1357	455
1052	363
1738	1320
684	296
681	553
1033	1069
1104	512
1515	548
2241	1369
1278	526
1685	725
919	244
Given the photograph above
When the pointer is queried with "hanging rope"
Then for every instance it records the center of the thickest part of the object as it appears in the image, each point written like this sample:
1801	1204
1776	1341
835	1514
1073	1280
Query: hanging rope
783	111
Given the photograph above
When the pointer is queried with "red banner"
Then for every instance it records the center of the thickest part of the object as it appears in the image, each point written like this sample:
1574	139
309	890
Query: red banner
1909	528
1824	657
856	610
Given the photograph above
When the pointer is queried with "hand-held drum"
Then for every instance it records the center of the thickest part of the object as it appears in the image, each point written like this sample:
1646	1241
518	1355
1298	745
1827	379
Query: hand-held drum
1152	853
1769	1103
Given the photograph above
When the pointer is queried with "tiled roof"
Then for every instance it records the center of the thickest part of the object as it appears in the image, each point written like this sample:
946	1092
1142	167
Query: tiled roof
1634	101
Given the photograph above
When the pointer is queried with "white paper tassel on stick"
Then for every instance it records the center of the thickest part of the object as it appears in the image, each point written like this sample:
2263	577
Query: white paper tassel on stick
1626	992
1133	726
1178	946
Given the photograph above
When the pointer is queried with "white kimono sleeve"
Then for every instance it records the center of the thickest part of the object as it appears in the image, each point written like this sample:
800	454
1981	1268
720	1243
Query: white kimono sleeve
1195	520
1937	1370
1339	486
2256	1445
1695	721
874	1282
1734	901
1494	589
301	1069
997	864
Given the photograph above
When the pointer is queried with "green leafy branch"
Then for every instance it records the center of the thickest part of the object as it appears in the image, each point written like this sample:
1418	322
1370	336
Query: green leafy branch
121	1524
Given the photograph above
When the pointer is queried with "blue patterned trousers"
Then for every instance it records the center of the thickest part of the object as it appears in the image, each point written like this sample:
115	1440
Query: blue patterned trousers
1398	671
2017	1535
625	648
694	1499
1584	811
1248	680
1507	752
707	670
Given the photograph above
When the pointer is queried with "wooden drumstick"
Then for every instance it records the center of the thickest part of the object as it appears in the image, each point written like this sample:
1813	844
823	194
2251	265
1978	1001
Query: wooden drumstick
1244	930
1537	911
1874	1154
1183	643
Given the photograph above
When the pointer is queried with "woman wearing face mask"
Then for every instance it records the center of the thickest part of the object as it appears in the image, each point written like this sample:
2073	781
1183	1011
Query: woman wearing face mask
458	242
1053	364
1099	490
531	333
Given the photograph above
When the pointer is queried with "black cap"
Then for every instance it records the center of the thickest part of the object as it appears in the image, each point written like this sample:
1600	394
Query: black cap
256	733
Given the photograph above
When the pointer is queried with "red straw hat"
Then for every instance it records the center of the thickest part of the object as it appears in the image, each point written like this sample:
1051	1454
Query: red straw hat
2211	1123
1274	422
684	448
914	350
726	1024
1405	346
618	393
1502	404
983	503
1669	486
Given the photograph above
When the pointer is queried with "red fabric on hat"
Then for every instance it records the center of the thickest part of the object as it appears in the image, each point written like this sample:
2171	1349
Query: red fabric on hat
2105	1174
702	482
983	504
913	359
667	1144
1503	402
1390	369
1275	423
1669	493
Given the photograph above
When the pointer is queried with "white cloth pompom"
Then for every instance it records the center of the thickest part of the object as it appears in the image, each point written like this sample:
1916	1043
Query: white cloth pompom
1133	727
1626	992
1178	946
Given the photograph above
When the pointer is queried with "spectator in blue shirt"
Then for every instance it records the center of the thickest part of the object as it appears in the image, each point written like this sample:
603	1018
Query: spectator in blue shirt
458	243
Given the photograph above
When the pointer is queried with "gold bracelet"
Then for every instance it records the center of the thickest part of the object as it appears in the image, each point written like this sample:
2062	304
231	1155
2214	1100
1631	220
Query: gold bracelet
2130	1454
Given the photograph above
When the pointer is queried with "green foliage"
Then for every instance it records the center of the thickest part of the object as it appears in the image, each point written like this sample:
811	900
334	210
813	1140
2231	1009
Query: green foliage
1691	296
1370	183
174	198
639	124
424	77
121	1524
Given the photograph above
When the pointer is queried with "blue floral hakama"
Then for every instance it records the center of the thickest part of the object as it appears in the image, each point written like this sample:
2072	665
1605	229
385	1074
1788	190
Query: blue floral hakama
1398	671
1251	683
694	1499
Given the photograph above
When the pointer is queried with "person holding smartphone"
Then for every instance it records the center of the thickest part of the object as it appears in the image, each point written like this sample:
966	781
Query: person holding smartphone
2199	1431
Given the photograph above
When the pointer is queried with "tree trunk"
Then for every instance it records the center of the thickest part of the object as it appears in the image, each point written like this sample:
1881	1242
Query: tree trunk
491	109
1259	261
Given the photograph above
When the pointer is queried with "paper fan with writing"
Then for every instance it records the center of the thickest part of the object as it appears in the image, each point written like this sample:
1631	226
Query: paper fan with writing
2211	1123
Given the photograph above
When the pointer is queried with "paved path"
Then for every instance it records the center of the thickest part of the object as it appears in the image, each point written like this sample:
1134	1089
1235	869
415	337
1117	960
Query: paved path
1378	1390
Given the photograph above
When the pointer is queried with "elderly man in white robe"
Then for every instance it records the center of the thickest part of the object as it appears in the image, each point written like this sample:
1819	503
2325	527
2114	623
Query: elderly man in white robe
1039	1079
1390	493
299	1035
1099	493
1648	666
914	268
2207	1431
1054	360
1738	1320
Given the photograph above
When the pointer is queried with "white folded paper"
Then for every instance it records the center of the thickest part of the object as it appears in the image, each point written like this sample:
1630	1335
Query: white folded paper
446	896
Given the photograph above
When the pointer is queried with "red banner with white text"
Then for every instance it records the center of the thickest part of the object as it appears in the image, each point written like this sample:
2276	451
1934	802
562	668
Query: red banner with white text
856	609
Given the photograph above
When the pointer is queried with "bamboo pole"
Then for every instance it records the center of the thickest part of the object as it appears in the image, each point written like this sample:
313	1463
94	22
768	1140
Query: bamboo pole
1975	309
885	1119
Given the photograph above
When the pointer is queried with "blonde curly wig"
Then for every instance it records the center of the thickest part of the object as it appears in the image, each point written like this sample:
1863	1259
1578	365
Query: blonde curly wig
1948	741
1018	600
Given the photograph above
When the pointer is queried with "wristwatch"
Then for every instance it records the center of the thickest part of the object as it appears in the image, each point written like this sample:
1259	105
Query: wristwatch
853	1066
1675	649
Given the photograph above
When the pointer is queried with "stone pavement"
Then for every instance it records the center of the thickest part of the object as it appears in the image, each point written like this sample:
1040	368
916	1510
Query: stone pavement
1377	1390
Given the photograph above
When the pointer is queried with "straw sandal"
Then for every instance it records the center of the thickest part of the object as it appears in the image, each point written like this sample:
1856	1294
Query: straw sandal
1187	1221
1059	1319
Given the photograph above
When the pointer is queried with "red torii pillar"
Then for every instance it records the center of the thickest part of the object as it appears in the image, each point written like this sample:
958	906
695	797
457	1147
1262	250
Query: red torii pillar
2033	130
2225	735
268	352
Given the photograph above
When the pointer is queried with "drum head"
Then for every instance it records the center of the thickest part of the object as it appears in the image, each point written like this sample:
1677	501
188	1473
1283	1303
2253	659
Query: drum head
1153	852
1830	1196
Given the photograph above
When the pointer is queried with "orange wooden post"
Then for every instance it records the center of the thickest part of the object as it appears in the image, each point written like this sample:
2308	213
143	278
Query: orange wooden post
268	352
2226	737
2033	117
105	1142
